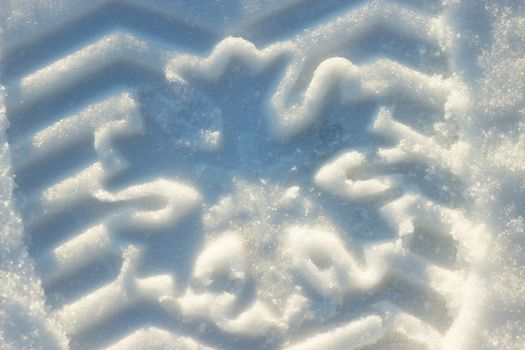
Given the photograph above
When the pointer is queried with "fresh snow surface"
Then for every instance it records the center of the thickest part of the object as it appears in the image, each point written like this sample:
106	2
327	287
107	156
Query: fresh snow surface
262	174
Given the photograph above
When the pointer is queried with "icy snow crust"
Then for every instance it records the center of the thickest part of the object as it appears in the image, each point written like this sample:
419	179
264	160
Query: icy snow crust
262	174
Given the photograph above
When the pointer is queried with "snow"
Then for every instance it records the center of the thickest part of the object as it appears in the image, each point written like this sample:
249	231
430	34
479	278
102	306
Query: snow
352	336
334	177
23	314
262	174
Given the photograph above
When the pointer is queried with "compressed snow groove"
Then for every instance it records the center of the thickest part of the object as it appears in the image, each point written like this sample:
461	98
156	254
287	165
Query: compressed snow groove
225	292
